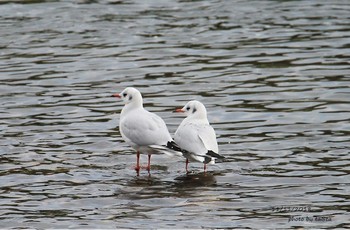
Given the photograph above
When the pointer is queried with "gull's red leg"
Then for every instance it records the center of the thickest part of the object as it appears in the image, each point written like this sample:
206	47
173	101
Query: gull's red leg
205	167
137	167
149	163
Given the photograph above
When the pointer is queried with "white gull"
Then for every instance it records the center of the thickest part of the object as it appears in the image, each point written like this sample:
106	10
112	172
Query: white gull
195	135
144	131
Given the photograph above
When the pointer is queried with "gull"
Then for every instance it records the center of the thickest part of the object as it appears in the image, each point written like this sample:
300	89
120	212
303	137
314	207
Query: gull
195	136
144	131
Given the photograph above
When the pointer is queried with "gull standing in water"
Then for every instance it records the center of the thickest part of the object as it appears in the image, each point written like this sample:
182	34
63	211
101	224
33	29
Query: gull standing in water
195	135
144	131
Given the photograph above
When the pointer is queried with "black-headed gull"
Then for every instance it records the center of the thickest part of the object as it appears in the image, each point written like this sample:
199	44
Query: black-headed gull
144	131
196	136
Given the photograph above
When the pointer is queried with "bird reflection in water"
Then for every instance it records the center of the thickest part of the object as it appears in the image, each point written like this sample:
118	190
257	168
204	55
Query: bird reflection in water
187	180
196	179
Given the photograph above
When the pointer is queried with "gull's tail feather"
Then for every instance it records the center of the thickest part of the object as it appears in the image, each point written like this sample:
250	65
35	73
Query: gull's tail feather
215	157
171	149
209	158
174	146
214	154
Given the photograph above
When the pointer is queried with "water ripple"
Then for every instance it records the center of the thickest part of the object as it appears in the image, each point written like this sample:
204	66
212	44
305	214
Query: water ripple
272	74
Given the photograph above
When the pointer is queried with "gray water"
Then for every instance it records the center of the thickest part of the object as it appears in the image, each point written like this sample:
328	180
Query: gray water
274	76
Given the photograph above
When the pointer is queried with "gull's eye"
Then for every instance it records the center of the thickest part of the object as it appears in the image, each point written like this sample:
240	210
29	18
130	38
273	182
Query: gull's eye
124	94
187	108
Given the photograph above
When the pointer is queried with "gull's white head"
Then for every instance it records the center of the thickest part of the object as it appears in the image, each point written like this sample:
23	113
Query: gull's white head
130	96
194	109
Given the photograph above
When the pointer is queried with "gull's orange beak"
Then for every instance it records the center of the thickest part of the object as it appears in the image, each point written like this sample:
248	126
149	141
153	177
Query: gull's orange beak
179	111
116	95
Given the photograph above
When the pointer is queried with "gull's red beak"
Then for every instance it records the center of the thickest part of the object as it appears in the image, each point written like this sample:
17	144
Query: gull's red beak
116	95
179	111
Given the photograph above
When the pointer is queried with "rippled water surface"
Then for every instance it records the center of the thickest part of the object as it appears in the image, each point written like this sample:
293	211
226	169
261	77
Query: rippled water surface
274	76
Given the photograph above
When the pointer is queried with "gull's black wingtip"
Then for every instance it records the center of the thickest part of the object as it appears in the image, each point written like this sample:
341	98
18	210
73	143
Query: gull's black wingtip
172	145
214	154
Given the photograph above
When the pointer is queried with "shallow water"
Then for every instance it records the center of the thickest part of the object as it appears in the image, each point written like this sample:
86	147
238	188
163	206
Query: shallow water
274	76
